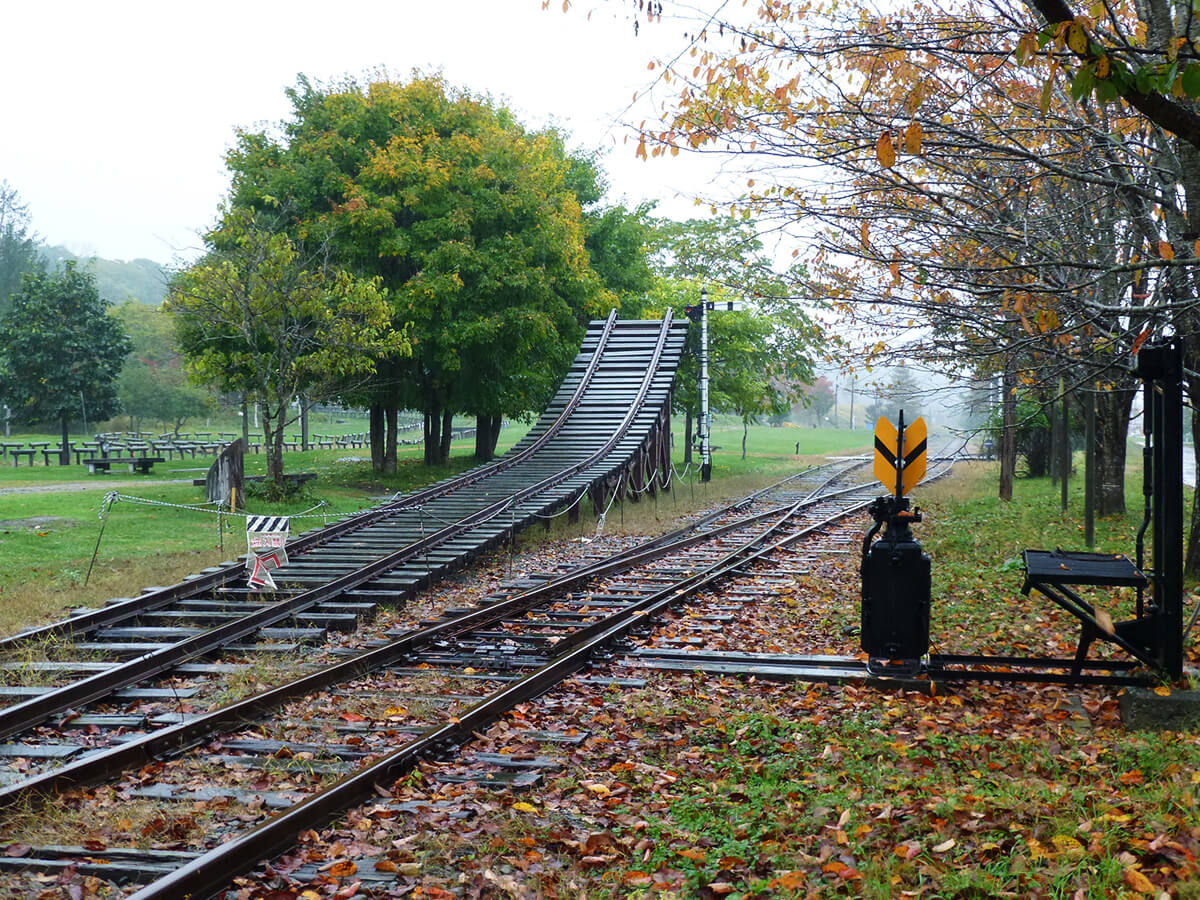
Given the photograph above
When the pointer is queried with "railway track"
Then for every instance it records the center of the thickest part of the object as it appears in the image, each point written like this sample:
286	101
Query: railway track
614	401
349	730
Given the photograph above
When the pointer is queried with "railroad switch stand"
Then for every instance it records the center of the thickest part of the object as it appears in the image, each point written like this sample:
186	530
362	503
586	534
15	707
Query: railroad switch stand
896	590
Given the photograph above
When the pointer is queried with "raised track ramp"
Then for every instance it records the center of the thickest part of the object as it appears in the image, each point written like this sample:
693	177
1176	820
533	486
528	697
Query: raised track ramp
608	423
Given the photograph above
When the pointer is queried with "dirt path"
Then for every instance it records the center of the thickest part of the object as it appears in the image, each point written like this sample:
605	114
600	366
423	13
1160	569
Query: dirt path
105	485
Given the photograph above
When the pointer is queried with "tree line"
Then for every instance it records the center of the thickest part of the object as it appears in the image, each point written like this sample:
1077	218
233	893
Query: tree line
410	245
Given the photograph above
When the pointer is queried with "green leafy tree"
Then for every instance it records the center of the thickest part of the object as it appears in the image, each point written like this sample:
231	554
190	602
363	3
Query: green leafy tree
18	245
262	317
60	351
469	221
153	384
758	356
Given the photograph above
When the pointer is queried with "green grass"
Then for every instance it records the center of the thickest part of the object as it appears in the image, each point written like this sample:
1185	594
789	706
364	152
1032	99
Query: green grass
976	541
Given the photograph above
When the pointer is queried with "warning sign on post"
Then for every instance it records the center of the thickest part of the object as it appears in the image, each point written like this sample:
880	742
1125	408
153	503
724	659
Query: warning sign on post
266	539
900	456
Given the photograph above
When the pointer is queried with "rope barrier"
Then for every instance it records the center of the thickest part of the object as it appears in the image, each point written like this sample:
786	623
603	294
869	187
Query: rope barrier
220	509
565	509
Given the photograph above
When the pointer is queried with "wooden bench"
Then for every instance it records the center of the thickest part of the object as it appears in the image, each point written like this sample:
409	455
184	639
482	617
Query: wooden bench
17	452
92	450
138	464
56	452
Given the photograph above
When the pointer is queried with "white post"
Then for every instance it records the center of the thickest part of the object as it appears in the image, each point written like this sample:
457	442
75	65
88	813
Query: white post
705	415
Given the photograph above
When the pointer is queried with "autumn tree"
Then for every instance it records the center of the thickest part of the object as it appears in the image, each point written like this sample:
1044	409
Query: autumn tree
955	195
468	220
1145	54
818	399
60	351
267	318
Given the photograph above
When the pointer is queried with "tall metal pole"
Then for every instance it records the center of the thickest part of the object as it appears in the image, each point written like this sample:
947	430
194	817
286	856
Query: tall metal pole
705	416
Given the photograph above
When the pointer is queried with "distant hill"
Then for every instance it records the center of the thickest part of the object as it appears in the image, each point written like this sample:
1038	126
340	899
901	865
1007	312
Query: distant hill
140	279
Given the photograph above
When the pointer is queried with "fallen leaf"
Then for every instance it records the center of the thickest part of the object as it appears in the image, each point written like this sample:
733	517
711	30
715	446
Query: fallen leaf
1136	881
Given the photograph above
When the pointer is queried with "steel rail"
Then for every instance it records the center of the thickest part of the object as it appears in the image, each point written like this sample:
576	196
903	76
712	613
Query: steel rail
153	600
29	713
212	871
176	738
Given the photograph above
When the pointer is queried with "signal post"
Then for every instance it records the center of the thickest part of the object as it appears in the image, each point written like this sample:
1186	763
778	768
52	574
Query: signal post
896	572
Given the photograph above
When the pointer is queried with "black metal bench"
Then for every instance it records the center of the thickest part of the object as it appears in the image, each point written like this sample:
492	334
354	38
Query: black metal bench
139	464
1054	574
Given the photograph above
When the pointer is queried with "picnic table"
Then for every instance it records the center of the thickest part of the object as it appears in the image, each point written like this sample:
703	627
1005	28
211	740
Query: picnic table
138	464
5	446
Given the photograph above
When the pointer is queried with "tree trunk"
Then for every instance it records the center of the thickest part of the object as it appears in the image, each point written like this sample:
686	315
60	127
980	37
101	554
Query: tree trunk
245	426
1008	432
376	427
494	433
433	436
1189	157
745	431
487	432
390	462
303	423
273	437
1038	454
447	433
64	458
687	437
1112	432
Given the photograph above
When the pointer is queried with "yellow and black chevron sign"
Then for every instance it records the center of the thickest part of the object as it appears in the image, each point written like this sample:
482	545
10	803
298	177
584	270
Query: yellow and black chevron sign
900	455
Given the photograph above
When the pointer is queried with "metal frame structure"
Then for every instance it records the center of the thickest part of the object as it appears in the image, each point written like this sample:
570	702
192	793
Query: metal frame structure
1154	636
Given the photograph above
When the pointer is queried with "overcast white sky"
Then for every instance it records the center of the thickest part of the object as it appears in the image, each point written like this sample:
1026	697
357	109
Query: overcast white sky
114	117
